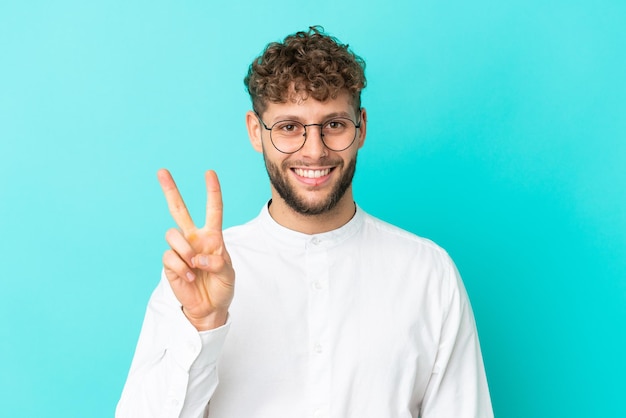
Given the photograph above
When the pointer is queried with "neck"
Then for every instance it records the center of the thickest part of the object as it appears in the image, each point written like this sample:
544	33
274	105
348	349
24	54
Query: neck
313	224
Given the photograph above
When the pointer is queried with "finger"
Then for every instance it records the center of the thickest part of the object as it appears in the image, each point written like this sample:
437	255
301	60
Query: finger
214	205
174	264
209	262
175	202
180	245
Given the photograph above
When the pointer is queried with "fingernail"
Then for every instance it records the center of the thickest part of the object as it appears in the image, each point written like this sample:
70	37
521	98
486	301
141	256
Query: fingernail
204	260
190	276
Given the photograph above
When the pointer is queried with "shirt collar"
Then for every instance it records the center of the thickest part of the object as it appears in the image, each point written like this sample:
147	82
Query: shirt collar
296	239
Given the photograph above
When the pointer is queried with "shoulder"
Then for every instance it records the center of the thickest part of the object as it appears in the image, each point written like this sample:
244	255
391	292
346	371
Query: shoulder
408	253
414	261
396	238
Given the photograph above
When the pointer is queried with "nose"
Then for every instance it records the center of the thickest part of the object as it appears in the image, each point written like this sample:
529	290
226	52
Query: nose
314	147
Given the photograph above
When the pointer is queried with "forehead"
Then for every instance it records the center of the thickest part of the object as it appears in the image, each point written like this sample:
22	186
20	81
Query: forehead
301	107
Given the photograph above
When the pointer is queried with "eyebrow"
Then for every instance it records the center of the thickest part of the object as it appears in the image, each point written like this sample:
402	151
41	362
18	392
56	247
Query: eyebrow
296	118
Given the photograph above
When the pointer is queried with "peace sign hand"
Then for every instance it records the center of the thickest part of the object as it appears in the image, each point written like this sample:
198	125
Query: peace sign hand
197	264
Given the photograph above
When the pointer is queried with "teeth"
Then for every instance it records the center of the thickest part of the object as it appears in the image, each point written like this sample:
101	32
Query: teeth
312	174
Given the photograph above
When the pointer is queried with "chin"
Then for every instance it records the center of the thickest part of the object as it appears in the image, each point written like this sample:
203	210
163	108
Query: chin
326	200
310	207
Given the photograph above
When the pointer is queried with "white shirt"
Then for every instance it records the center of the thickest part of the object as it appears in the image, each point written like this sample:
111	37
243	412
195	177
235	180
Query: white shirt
364	321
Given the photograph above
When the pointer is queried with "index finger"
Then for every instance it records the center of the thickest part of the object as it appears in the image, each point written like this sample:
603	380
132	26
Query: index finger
214	205
175	202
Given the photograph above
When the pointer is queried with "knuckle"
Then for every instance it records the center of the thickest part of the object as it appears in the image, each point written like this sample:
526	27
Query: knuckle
170	255
187	255
170	234
167	258
178	207
214	241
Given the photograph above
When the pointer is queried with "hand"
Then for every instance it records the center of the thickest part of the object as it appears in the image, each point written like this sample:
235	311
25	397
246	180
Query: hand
197	264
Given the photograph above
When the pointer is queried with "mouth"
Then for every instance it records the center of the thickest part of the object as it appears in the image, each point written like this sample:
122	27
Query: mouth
313	177
312	174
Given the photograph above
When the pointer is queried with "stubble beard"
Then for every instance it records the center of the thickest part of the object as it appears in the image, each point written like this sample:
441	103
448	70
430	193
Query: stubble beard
288	193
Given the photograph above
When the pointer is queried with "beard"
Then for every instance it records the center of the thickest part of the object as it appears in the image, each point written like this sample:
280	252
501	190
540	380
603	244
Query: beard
300	205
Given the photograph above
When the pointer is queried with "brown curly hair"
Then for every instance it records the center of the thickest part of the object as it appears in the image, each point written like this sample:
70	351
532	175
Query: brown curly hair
312	63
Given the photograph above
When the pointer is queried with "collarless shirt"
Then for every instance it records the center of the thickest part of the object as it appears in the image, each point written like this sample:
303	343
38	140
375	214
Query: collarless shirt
367	320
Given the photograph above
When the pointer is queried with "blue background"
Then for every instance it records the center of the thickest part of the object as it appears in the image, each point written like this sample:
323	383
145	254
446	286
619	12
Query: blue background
496	129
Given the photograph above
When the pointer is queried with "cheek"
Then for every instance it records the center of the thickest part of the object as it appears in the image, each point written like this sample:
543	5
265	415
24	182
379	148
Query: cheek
353	152
275	158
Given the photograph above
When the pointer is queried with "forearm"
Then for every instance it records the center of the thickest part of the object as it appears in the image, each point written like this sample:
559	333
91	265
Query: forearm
173	373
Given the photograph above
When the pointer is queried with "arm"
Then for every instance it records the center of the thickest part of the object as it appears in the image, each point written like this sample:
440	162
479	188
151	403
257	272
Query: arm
458	384
173	373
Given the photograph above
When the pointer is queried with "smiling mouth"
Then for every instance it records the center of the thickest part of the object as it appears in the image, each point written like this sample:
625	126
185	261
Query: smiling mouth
312	174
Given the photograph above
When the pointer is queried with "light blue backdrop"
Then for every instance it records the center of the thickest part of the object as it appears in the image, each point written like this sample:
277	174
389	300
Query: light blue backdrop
497	129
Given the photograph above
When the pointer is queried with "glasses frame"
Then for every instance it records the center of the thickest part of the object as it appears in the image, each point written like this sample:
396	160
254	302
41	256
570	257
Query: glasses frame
321	125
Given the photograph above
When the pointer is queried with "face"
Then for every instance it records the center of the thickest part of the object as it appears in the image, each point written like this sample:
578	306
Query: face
313	180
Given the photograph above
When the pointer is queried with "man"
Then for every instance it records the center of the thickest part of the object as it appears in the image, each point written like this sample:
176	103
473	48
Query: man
333	313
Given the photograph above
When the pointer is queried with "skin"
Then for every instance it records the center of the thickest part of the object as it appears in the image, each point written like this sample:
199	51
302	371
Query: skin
197	264
313	155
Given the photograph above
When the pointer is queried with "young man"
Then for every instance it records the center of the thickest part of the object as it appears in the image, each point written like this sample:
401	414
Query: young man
333	313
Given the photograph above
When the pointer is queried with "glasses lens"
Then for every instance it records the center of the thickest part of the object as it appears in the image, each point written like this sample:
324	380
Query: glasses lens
288	136
339	133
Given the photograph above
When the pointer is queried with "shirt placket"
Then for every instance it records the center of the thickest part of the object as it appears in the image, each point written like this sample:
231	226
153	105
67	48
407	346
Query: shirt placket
317	268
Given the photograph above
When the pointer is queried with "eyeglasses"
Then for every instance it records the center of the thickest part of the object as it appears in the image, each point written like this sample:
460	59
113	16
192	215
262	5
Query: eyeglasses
289	136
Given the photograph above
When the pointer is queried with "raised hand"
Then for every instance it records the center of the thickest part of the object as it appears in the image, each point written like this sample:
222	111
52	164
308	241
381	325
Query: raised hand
197	264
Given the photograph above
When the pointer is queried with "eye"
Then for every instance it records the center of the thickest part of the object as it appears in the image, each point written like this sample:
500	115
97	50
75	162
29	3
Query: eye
336	127
288	127
335	124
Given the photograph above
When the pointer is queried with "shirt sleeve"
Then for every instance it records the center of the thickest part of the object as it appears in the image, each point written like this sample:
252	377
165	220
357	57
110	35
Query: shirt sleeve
174	369
458	385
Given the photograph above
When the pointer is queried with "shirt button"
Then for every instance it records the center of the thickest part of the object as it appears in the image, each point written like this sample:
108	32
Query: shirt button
317	285
318	348
315	241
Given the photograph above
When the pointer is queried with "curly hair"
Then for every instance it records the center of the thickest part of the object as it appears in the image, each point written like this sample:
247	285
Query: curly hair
305	64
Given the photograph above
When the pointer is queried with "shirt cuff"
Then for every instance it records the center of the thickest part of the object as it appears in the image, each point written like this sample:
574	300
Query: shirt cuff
212	342
193	349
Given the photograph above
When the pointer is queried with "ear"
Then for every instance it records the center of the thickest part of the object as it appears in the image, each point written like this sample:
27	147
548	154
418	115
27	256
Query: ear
254	130
363	128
